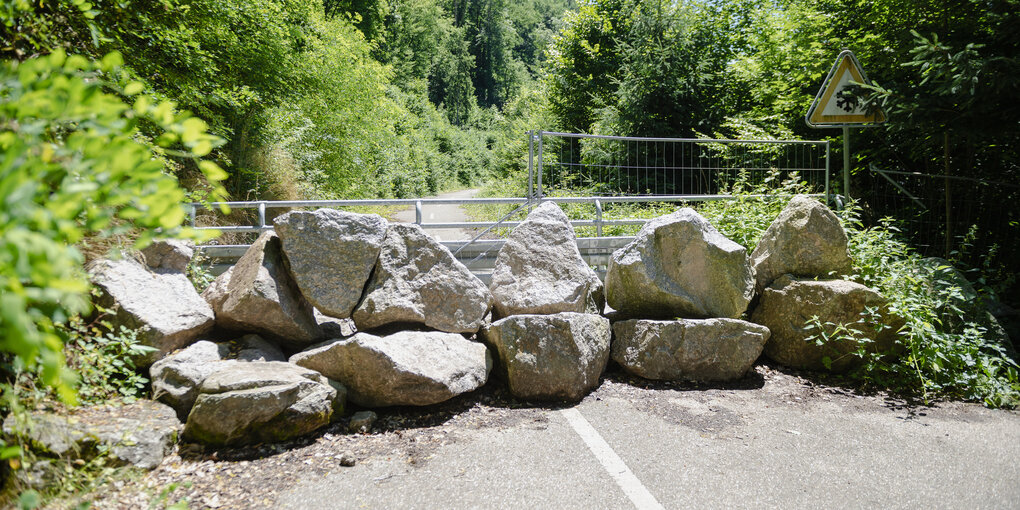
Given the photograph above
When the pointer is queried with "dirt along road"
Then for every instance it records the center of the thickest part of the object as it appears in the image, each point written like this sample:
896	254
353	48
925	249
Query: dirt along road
443	213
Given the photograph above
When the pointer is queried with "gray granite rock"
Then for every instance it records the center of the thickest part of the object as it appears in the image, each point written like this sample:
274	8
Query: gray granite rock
258	294
169	254
418	281
679	265
139	434
331	255
165	305
406	368
556	357
788	305
256	402
176	378
688	349
539	270
806	239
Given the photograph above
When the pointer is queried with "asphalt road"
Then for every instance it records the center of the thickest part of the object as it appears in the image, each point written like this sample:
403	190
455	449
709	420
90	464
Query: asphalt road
785	444
443	213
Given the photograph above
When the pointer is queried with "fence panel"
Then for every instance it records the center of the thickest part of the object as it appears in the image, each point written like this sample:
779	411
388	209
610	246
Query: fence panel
942	214
578	164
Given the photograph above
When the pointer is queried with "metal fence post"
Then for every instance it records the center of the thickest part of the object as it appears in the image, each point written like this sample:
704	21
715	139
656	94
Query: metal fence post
531	165
539	169
262	216
598	218
828	197
193	213
417	212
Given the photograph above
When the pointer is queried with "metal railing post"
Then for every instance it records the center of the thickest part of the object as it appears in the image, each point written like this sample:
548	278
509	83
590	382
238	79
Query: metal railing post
417	212
193	213
531	165
598	218
262	216
539	169
828	197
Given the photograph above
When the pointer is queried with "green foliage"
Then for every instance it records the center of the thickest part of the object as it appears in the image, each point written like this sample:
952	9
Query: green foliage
73	167
102	357
947	349
746	217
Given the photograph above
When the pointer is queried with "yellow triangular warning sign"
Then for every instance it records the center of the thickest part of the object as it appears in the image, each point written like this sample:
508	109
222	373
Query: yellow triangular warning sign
834	106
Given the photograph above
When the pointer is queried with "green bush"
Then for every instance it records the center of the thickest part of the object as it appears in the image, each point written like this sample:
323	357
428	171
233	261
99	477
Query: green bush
73	166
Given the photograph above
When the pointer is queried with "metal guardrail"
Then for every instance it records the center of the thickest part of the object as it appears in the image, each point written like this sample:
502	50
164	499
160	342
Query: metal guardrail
419	204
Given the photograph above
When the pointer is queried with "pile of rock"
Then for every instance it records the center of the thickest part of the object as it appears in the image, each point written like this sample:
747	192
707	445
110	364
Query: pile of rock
678	291
285	294
681	286
398	280
797	262
551	342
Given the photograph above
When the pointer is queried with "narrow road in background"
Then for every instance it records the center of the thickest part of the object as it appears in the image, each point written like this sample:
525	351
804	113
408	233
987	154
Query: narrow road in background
444	213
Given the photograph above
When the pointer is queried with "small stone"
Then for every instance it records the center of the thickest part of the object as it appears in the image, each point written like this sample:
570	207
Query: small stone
169	254
347	460
361	422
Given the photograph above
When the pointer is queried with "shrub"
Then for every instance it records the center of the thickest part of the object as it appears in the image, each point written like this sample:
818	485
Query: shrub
73	166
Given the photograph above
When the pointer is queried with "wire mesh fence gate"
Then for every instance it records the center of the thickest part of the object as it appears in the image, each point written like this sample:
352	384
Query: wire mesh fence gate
571	164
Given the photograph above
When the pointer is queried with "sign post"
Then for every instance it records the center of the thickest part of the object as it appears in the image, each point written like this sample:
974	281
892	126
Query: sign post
837	106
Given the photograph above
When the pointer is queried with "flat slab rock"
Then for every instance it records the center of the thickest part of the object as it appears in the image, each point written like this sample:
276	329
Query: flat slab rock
539	269
176	378
258	295
165	303
331	255
688	349
262	402
418	281
557	357
806	239
788	304
169	254
140	434
406	368
679	265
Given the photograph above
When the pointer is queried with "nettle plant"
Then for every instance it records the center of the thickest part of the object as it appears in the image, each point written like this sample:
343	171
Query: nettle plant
945	348
74	165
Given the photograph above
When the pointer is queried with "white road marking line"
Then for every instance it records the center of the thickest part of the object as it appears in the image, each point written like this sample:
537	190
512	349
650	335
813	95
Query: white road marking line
612	462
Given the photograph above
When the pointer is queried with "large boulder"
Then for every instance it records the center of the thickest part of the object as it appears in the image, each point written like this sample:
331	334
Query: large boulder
688	349
258	294
176	378
331	255
140	434
165	306
418	281
169	255
806	239
406	368
550	357
539	270
679	265
789	305
261	401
